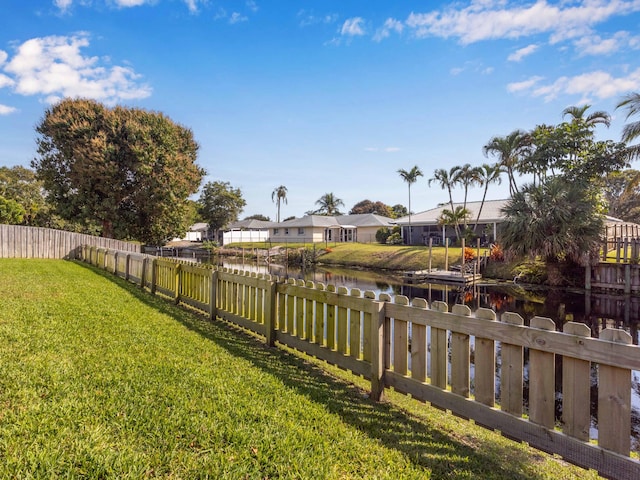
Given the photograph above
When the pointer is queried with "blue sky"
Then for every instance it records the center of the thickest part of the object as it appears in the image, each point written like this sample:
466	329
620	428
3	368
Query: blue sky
322	96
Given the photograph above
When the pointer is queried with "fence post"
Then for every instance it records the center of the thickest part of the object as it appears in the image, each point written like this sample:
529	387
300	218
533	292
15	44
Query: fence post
126	266
154	273
377	350
270	313
143	273
213	295
178	283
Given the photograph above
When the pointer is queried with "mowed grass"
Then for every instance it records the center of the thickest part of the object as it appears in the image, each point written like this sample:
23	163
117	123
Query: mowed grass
101	380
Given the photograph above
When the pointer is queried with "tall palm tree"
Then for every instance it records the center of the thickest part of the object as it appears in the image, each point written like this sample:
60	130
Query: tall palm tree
595	118
467	176
447	180
509	150
488	174
631	131
410	177
279	195
329	204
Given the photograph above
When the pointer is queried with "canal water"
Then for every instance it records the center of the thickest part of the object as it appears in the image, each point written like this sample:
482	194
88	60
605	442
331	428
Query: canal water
596	310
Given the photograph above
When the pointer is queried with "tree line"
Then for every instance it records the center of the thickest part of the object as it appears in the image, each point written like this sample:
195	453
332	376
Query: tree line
130	174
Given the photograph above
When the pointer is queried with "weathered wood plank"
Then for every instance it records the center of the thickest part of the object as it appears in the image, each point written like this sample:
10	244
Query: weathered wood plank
485	363
576	385
439	350
512	371
542	391
614	400
419	346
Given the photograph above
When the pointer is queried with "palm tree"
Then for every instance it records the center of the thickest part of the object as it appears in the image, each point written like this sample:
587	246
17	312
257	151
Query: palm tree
509	151
467	176
410	177
447	180
329	204
577	115
279	195
631	131
454	217
556	220
487	175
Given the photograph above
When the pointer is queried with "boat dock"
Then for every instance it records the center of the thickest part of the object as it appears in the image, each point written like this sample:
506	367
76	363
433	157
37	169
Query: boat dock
441	276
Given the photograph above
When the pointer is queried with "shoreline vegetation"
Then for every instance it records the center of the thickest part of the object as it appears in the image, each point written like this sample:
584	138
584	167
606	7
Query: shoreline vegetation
101	380
392	258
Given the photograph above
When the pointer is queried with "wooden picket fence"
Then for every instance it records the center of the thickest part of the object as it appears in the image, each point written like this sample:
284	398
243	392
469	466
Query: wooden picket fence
19	241
426	351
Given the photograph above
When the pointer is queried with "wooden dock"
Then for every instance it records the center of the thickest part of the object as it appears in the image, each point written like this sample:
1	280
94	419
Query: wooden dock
441	276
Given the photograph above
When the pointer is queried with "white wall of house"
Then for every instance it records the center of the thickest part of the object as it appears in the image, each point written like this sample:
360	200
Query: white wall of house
235	236
297	235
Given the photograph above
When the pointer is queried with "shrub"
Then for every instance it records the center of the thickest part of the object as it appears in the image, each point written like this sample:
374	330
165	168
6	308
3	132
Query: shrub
394	239
496	253
382	234
469	254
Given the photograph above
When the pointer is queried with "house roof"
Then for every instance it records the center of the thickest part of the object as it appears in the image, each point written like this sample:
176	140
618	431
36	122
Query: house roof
491	212
199	227
353	221
251	224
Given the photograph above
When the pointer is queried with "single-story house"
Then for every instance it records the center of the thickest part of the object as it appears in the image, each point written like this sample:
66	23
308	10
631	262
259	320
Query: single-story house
424	225
196	233
320	228
247	231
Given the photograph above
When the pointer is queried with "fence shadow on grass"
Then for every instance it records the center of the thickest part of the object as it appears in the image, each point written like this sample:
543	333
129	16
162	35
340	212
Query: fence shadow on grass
440	453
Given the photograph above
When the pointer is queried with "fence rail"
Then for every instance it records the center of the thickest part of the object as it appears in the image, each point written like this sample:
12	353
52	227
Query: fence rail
450	358
18	241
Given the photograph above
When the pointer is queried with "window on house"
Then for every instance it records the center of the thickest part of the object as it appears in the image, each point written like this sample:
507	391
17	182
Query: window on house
301	231
286	231
276	231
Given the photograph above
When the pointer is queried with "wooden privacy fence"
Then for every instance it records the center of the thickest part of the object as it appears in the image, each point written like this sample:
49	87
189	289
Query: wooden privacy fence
18	241
427	352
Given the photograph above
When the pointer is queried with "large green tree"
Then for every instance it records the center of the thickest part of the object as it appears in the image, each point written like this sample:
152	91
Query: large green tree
220	204
19	184
367	206
487	174
130	170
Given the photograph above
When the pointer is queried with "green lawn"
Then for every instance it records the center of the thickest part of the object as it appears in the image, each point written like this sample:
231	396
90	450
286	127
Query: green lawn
101	380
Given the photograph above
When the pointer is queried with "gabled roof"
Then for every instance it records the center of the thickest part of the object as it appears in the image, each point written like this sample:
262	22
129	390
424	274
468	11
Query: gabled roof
353	221
490	213
308	221
251	224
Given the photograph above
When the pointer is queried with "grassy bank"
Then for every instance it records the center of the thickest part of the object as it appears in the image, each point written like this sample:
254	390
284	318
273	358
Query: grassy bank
101	380
374	255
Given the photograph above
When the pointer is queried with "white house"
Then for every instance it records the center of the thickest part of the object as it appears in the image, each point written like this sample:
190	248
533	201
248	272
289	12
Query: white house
320	228
247	231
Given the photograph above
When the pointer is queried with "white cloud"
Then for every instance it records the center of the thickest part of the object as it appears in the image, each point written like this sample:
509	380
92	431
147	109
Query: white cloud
524	85
390	25
519	54
237	18
310	18
484	20
63	4
596	45
3	56
598	84
54	67
352	27
6	110
131	3
6	81
251	5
